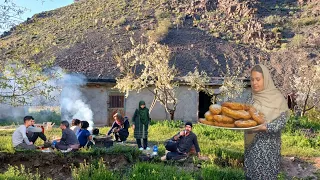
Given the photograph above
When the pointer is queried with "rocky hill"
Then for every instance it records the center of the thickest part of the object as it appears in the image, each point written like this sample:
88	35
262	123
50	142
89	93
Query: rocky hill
85	36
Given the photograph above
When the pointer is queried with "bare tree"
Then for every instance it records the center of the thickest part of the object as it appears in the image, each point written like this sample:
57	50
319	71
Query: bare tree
146	66
10	14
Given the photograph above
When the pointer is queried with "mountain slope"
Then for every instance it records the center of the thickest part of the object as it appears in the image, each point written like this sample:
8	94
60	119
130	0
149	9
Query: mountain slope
84	36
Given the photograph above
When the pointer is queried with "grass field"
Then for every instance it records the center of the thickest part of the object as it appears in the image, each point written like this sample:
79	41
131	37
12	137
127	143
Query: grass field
226	146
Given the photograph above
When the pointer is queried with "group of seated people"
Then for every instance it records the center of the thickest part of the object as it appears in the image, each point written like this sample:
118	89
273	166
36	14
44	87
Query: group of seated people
72	138
78	136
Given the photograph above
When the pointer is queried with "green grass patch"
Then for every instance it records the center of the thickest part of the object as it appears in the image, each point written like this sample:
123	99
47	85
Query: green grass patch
95	171
16	173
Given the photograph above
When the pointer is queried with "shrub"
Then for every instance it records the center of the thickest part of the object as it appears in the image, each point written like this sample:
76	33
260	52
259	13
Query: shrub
229	157
15	173
158	171
213	172
297	41
131	153
273	19
168	123
160	14
95	171
161	31
307	21
120	21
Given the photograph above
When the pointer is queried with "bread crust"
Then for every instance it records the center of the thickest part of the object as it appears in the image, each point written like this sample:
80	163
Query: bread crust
235	114
204	121
231	125
223	119
215	109
245	123
235	106
256	116
208	116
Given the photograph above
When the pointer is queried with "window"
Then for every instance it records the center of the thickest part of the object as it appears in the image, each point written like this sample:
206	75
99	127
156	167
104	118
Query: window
116	101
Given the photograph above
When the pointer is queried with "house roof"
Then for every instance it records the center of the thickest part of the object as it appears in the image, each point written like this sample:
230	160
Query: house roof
190	48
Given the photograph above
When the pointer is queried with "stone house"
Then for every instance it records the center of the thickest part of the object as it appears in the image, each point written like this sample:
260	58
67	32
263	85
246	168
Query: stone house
190	48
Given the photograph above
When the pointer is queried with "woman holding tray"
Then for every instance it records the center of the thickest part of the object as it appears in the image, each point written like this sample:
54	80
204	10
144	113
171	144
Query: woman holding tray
262	145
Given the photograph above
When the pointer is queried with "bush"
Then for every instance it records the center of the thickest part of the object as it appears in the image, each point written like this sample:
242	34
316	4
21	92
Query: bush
213	172
229	157
297	41
161	31
46	116
15	173
294	124
40	117
168	123
307	21
313	116
95	171
273	19
120	21
131	153
158	171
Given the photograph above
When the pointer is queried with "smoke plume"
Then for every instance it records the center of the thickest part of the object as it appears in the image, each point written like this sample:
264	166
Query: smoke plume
72	101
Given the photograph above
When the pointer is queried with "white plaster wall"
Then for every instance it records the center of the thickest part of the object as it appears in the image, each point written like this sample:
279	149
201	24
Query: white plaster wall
187	107
97	98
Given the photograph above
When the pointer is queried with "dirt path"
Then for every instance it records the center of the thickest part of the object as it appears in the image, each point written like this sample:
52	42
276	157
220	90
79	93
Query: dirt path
301	167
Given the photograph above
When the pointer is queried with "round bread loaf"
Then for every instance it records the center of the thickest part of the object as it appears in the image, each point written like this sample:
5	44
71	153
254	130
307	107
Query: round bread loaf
208	116
215	109
235	106
235	114
256	116
245	123
204	121
223	119
231	125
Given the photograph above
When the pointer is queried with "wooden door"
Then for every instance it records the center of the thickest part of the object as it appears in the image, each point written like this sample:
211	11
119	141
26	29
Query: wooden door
116	105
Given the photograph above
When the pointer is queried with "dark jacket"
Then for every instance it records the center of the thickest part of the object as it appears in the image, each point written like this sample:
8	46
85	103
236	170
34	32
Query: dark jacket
185	143
69	137
123	129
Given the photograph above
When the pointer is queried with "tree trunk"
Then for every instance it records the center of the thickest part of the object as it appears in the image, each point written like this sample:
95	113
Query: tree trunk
172	115
305	103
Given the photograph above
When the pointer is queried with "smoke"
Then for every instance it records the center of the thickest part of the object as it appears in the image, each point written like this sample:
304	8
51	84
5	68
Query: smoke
55	88
72	101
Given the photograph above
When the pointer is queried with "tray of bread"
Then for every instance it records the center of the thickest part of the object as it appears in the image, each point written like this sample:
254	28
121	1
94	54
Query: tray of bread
232	115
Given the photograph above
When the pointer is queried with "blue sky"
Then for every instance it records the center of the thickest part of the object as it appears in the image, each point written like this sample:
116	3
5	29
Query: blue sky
37	6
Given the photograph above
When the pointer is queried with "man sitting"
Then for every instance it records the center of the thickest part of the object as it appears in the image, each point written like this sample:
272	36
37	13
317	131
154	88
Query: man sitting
34	132
184	142
19	137
68	140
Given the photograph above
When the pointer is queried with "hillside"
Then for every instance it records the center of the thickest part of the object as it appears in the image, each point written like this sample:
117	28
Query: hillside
85	36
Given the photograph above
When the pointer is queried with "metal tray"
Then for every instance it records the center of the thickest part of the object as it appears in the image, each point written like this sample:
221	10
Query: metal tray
239	129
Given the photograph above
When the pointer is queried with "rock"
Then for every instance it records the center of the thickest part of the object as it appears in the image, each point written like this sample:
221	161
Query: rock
36	163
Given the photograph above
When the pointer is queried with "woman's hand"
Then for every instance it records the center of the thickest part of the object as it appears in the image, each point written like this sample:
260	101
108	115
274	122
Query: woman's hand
261	128
133	126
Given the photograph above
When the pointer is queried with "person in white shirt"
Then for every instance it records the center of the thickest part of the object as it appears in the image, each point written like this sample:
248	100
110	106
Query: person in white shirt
19	137
75	125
